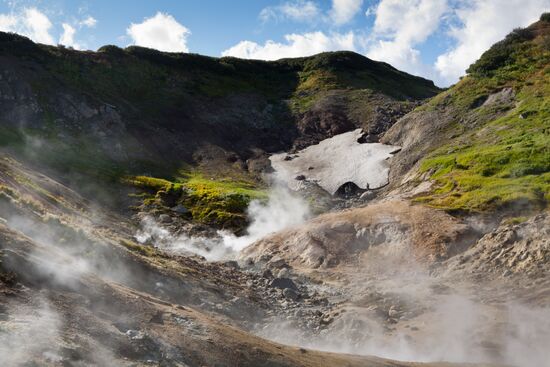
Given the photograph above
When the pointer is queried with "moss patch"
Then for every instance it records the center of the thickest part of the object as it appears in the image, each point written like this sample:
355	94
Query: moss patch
221	201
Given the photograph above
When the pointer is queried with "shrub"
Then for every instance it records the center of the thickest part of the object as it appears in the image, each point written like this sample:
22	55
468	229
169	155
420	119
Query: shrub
111	50
501	53
519	35
545	17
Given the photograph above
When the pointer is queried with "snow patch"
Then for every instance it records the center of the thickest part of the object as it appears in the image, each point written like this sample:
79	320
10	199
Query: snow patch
336	161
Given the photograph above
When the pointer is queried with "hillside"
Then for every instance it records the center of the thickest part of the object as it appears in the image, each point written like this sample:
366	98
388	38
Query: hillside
137	110
484	143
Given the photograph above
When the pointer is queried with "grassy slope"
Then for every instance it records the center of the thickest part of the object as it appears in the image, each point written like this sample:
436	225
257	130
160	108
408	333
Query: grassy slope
504	162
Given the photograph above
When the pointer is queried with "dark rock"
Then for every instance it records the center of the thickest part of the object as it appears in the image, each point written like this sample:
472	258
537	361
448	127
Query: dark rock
368	138
180	209
267	274
232	264
165	218
283	283
277	263
157	318
300	178
291	294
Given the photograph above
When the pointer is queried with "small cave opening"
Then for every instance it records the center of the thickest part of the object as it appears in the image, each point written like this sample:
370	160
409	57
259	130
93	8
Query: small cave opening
368	138
348	189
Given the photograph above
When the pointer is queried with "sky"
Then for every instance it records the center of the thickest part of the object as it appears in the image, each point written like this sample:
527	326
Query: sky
436	39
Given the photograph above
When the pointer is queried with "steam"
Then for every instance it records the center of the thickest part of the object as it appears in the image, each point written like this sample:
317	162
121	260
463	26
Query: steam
209	248
282	209
460	330
39	324
437	318
64	267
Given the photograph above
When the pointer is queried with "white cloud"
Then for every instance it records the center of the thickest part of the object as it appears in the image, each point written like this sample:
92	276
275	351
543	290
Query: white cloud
399	26
300	10
344	10
29	22
296	45
8	22
484	22
67	37
89	22
161	32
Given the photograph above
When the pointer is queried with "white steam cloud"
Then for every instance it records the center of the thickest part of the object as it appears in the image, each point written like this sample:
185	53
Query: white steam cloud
29	332
282	209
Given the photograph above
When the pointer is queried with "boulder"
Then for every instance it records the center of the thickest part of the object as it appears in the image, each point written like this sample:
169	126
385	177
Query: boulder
180	209
165	218
283	283
291	294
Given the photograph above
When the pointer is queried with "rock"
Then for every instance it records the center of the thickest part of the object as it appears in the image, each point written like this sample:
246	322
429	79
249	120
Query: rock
283	283
291	294
283	273
326	320
367	195
180	209
277	263
300	178
135	334
393	312
232	264
165	218
267	274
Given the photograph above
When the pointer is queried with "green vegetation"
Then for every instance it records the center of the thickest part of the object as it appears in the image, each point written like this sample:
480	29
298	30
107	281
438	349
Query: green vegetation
353	73
504	162
136	247
221	202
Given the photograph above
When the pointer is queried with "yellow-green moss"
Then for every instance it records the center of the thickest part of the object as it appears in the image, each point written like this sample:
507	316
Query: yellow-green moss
216	201
132	246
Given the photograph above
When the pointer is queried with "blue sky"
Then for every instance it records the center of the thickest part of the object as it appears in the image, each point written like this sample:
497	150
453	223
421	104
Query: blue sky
436	39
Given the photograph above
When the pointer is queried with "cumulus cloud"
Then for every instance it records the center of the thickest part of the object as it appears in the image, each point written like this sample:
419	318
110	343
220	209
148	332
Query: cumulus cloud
300	10
399	26
89	22
481	24
343	11
161	32
67	37
29	22
295	45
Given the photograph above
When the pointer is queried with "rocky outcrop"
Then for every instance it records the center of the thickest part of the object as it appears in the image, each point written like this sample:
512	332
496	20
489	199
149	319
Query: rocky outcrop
333	239
510	250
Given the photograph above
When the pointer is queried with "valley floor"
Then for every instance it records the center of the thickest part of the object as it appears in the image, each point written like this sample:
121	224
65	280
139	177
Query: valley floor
390	279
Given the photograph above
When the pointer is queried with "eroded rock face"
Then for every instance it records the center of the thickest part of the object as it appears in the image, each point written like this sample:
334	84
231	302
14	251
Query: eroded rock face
511	249
346	237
